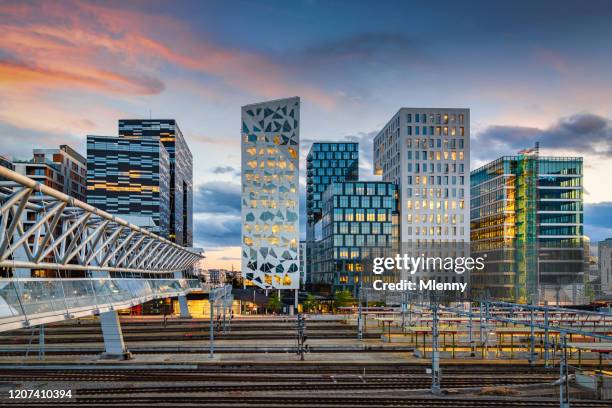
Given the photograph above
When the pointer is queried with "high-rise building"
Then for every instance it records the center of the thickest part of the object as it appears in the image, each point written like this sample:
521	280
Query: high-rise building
604	257
358	217
181	171
63	169
426	152
130	176
527	218
326	163
270	201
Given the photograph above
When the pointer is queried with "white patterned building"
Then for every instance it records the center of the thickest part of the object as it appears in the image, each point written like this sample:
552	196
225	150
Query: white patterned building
270	202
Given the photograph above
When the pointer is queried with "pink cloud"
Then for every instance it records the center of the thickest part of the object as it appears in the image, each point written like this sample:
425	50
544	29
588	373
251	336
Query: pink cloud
87	45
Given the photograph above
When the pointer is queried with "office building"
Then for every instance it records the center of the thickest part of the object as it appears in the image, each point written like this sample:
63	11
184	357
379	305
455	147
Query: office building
527	218
604	257
426	152
130	177
358	218
326	163
270	201
63	169
181	171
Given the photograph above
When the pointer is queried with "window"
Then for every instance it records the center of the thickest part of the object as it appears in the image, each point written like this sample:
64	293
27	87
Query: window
359	214
371	214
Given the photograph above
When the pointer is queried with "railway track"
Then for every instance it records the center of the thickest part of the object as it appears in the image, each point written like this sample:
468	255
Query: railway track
282	401
270	385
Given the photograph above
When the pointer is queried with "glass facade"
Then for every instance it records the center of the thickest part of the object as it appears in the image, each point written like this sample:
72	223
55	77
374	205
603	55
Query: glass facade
181	171
130	176
358	217
326	163
270	201
527	217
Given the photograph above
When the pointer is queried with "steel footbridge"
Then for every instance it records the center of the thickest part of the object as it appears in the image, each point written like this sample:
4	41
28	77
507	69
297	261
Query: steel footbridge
44	232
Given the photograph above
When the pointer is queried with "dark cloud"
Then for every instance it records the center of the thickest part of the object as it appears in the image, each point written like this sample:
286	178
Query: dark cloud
581	133
217	197
598	214
223	169
217	220
217	231
18	142
598	222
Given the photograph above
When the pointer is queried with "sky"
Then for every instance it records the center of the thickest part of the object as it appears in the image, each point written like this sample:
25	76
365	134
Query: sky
528	70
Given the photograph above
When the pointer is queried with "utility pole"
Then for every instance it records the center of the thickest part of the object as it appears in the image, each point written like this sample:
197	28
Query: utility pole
532	354
211	301
41	342
471	340
435	353
360	309
564	401
546	364
301	336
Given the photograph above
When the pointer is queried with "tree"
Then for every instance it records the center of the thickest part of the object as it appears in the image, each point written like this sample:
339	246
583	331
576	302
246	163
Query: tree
343	298
310	303
274	302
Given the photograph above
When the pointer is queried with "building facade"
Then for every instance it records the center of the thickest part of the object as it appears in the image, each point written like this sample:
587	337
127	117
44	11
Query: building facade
358	219
527	217
604	258
63	169
326	163
130	176
270	200
181	171
426	153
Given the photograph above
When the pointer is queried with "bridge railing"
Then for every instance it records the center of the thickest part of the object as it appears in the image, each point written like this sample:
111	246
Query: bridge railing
26	302
42	228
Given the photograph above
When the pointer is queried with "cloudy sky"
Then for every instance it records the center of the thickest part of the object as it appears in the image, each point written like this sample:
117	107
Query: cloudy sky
528	70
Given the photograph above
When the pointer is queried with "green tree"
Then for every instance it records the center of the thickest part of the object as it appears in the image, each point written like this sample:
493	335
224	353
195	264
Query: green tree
275	303
343	298
310	303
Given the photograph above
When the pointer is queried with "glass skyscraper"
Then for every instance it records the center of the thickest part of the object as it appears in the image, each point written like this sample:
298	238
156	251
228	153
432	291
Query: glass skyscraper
130	176
181	171
527	217
326	163
358	218
270	201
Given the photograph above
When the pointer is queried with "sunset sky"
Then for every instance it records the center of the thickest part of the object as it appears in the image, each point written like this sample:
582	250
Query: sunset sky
528	70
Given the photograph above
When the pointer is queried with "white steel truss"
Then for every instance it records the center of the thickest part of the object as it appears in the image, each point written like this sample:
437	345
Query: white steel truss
42	228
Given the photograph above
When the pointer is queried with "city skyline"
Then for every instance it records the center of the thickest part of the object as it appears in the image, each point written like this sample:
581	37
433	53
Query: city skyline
70	69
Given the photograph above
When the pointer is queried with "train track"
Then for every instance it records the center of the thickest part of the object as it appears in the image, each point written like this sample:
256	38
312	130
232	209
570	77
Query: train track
282	401
265	384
